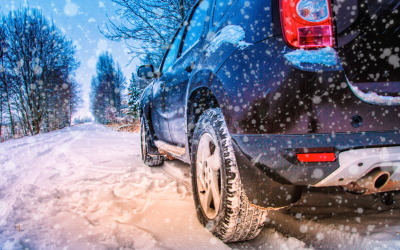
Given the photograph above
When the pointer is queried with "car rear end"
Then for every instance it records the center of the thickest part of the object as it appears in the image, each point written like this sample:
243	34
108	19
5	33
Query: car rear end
367	40
323	108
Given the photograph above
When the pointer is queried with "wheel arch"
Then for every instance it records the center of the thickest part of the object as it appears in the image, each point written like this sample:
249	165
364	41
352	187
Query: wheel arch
199	100
205	91
145	104
211	92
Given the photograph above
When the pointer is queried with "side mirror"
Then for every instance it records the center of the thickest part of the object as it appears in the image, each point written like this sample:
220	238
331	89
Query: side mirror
146	71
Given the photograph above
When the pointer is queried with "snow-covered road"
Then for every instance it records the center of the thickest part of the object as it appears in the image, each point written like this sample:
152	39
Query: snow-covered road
85	187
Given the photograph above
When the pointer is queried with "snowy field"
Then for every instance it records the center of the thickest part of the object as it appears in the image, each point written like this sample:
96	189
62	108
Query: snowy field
85	187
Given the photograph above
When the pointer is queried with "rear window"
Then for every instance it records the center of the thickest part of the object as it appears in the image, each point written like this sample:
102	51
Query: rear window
196	25
172	52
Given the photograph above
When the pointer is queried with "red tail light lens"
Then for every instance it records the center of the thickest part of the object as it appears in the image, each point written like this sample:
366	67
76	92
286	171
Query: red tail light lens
306	23
314	36
316	157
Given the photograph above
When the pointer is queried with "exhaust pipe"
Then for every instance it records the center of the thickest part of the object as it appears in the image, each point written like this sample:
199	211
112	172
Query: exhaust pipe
374	180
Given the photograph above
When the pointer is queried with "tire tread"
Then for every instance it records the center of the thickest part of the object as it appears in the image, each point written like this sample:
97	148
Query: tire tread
242	221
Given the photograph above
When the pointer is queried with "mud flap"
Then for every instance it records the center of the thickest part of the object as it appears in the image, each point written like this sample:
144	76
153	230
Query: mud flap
260	189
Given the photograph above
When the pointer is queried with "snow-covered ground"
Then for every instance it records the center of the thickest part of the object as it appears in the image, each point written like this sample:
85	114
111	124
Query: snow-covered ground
85	187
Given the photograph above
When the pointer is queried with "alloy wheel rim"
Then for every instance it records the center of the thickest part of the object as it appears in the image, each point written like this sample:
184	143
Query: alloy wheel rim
208	165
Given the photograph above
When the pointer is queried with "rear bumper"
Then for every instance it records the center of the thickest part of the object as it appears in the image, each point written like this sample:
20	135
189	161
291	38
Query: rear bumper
354	164
269	167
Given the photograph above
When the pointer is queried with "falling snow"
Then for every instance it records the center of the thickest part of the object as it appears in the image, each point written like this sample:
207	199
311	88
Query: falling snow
85	186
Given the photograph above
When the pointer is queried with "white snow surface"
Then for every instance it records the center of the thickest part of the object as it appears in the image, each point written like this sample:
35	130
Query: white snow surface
85	187
326	56
373	98
233	34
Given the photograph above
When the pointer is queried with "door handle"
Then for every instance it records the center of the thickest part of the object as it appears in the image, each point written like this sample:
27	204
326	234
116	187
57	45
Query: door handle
190	67
162	84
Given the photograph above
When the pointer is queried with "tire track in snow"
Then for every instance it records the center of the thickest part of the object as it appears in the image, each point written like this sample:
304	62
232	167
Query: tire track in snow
108	170
57	209
30	177
172	178
241	245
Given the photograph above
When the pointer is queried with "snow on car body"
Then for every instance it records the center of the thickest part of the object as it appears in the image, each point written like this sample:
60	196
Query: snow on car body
277	95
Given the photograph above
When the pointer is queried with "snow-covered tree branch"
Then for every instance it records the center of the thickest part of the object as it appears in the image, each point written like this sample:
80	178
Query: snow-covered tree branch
148	26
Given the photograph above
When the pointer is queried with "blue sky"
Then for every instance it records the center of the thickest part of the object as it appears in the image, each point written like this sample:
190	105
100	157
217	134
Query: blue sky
80	21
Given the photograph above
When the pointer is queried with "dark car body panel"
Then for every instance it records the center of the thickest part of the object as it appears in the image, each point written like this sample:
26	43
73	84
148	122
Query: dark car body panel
269	96
158	111
178	86
274	108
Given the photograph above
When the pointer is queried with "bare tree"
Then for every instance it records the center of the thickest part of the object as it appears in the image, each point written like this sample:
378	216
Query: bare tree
74	99
149	27
5	78
120	85
37	64
2	102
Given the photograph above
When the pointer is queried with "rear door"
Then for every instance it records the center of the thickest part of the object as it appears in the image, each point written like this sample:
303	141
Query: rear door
176	86
368	41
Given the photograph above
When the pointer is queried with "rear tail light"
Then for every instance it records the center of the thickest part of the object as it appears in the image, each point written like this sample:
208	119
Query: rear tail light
306	23
316	157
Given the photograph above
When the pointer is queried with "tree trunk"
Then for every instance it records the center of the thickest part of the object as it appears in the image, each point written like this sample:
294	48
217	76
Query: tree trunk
8	97
70	108
9	110
1	116
36	126
182	9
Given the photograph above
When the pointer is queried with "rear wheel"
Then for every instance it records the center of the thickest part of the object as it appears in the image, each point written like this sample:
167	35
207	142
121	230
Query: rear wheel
149	160
221	203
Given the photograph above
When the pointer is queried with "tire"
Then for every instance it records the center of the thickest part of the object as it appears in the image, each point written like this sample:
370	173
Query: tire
149	160
215	175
